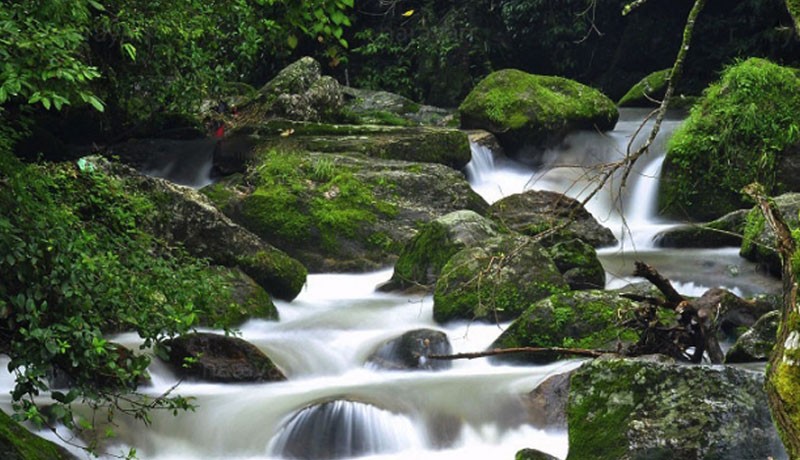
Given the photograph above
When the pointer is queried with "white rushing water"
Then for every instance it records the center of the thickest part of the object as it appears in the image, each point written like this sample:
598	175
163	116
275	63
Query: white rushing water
333	406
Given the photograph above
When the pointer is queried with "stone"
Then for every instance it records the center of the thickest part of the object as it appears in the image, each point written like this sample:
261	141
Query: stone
635	409
723	232
534	111
219	358
17	443
547	403
575	319
758	242
385	108
757	342
409	352
186	217
578	263
535	211
495	281
533	454
422	258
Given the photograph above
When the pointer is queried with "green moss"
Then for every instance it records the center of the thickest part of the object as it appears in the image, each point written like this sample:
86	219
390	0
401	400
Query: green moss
275	269
650	87
734	136
425	255
17	443
510	100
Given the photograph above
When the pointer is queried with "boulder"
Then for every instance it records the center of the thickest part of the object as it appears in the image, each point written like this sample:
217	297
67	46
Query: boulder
17	443
495	281
758	242
447	146
757	342
723	232
635	409
341	212
547	403
534	111
533	454
385	108
409	352
576	319
535	211
578	263
422	258
186	217
298	92
250	301
219	358
742	130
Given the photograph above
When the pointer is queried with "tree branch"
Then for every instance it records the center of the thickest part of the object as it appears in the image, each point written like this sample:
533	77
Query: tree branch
508	351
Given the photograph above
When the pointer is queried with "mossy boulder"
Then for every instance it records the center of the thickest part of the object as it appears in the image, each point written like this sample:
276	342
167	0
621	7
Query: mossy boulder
576	319
757	342
534	111
186	217
250	301
636	409
447	146
385	108
536	211
298	92
743	130
17	443
723	232
341	212
578	262
218	358
422	258
410	351
759	242
495	281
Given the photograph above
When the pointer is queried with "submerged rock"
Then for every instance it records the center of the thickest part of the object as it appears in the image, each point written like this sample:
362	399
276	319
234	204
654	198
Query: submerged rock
534	111
218	358
495	281
576	319
634	409
341	212
547	403
535	211
757	342
410	351
723	232
422	258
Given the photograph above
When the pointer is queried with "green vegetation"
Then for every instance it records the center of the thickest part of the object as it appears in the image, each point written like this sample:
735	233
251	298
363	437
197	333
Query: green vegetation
17	443
649	88
734	136
80	266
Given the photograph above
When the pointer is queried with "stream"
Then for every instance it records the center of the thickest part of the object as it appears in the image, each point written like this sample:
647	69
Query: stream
333	406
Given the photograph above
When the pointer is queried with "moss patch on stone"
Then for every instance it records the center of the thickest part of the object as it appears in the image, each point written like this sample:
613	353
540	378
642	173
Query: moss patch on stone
646	90
734	136
17	443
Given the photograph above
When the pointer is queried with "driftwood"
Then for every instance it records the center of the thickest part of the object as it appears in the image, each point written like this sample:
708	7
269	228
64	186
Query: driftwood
508	351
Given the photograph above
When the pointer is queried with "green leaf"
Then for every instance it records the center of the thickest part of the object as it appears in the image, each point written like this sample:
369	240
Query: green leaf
291	40
130	50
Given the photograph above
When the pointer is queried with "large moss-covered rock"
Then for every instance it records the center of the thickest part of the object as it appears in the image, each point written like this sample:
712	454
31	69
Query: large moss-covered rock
250	301
495	281
186	217
423	257
743	130
759	242
577	319
757	342
219	358
723	232
633	409
342	212
534	111
428	144
536	211
17	443
578	262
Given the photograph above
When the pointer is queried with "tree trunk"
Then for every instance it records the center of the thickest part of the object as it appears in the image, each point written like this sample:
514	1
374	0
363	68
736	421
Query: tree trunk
783	372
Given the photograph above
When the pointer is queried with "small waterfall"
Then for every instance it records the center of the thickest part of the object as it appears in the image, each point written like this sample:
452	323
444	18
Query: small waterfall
481	164
341	429
184	162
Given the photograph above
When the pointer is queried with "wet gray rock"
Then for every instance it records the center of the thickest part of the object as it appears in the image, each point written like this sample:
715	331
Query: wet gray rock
422	258
219	358
534	211
533	454
409	351
634	409
547	403
757	342
382	107
495	281
723	232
